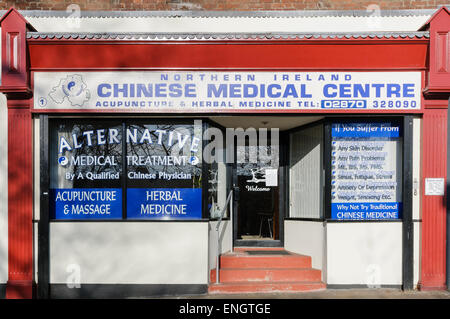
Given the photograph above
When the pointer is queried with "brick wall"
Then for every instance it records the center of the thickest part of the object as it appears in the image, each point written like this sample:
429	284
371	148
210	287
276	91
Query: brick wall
243	5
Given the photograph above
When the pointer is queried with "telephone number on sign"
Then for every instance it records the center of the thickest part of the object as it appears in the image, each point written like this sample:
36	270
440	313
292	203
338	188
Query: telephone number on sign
344	104
395	104
362	104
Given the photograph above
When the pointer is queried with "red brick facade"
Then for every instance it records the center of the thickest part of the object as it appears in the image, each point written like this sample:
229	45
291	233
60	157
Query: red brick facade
242	5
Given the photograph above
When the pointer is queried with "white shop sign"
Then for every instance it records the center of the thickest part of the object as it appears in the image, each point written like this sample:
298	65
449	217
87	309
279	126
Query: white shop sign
180	91
434	186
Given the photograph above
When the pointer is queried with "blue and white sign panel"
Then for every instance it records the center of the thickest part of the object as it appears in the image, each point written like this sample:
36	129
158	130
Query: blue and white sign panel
365	130
86	203
156	91
365	211
365	171
164	203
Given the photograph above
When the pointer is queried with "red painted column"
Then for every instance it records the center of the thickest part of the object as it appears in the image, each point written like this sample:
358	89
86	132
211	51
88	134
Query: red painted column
434	165
434	151
16	85
20	201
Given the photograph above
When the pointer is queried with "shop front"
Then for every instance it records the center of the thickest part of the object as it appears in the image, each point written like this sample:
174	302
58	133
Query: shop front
126	151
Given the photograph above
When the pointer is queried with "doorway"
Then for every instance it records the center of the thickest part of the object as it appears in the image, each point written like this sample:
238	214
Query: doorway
256	185
260	187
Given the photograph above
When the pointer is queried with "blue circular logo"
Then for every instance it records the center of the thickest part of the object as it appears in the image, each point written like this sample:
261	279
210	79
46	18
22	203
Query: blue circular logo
63	161
70	85
42	101
73	88
193	160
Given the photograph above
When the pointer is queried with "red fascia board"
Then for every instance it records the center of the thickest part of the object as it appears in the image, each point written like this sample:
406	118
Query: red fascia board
307	54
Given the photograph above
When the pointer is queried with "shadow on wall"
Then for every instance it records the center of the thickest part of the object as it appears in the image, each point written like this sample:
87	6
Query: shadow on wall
224	229
446	198
212	247
91	291
120	260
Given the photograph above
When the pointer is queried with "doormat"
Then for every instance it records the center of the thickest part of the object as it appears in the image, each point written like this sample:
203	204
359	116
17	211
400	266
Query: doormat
267	252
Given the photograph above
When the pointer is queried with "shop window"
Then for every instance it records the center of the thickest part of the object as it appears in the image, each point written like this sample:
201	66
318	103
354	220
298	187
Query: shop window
366	171
218	173
164	170
102	169
86	170
306	173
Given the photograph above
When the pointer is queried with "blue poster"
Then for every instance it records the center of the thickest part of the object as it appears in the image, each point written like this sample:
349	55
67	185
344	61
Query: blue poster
366	211
86	203
164	203
365	171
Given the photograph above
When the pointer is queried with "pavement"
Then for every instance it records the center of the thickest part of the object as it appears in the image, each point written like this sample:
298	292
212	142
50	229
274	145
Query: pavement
380	293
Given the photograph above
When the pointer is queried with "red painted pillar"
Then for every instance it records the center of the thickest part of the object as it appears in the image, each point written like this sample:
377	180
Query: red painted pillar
434	151
20	203
16	85
434	165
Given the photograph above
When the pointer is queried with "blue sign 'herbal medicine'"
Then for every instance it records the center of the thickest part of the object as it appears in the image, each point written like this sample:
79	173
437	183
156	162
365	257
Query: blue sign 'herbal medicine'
164	203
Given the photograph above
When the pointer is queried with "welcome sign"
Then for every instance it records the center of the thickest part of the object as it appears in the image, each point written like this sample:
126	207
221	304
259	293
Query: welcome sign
157	91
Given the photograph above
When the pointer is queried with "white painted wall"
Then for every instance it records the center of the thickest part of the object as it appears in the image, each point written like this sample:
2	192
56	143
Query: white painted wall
3	190
129	252
228	24
358	253
306	238
226	240
36	168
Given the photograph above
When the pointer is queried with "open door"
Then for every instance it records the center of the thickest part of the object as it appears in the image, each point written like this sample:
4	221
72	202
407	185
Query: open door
256	182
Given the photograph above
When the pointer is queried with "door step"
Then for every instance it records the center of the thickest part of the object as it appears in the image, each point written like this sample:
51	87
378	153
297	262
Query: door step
247	270
241	259
267	274
264	287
